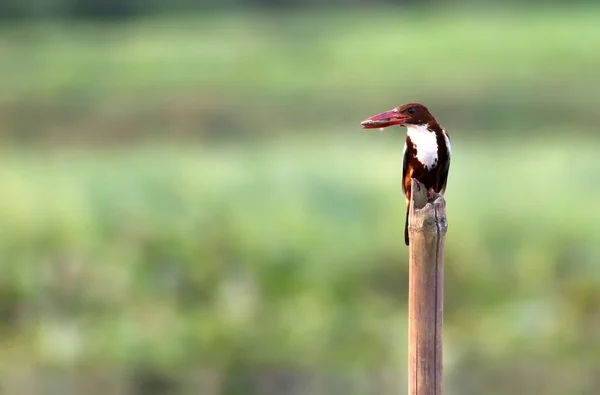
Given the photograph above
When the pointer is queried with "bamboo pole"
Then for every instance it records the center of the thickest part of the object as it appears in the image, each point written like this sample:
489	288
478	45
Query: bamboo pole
427	230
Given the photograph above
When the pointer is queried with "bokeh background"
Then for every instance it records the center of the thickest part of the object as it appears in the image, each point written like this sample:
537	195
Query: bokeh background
188	204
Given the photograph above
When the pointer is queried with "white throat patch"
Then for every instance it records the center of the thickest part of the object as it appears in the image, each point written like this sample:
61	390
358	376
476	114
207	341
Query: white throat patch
425	143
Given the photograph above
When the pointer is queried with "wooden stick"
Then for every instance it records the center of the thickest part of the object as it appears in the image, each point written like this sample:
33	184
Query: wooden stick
427	230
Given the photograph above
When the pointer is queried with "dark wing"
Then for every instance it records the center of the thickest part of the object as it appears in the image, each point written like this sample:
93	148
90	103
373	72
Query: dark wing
405	156
444	172
444	178
407	171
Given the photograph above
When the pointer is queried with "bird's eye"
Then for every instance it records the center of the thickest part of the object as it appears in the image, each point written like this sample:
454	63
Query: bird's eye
411	110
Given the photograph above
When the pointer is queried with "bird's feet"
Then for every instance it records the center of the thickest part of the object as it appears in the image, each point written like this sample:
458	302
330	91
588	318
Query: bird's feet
430	194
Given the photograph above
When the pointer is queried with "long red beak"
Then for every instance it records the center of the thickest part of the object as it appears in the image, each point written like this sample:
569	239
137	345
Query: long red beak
383	120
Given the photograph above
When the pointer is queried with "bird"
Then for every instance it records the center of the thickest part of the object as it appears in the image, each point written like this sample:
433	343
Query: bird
427	150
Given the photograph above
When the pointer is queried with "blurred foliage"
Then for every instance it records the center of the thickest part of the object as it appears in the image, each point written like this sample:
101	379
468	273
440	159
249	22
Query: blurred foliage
126	9
271	261
492	72
289	258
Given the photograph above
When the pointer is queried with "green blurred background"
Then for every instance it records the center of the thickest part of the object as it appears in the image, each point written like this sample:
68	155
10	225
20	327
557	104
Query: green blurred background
189	205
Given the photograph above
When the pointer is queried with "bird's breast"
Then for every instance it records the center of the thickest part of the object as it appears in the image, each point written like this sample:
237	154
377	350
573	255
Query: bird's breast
425	143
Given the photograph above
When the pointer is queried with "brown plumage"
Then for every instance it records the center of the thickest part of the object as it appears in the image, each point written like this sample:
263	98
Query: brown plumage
427	149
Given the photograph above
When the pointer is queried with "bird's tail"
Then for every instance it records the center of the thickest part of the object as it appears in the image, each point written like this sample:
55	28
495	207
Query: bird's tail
406	223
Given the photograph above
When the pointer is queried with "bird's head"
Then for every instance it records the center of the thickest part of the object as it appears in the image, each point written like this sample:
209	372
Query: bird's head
407	114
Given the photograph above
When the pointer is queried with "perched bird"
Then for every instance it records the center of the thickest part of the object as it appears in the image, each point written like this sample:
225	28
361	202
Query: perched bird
426	152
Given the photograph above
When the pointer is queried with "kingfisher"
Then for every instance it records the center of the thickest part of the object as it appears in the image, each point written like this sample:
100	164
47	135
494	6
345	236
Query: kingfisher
427	150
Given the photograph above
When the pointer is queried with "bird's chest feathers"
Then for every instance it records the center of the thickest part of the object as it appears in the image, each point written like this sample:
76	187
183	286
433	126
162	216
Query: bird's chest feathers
425	143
